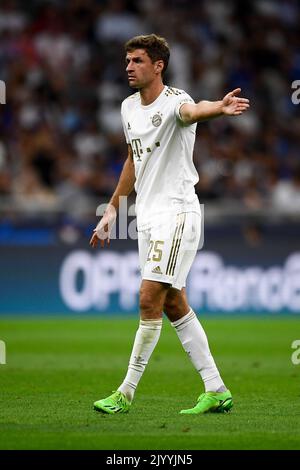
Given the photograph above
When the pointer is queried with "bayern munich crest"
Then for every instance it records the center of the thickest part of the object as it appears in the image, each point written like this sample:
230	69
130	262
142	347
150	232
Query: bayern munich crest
156	120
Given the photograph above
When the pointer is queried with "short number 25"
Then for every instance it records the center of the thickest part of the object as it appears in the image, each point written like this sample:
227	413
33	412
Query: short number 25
157	253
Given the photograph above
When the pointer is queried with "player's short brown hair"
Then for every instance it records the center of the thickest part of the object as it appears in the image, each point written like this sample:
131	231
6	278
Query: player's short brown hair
156	47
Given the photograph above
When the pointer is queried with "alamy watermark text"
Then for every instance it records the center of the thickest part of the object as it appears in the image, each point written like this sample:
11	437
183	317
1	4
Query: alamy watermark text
2	92
2	352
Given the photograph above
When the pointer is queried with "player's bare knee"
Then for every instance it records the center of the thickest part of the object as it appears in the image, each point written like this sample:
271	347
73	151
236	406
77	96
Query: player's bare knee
152	297
176	306
171	306
149	309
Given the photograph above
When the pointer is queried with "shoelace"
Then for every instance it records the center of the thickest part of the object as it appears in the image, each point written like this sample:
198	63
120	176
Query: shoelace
120	399
204	397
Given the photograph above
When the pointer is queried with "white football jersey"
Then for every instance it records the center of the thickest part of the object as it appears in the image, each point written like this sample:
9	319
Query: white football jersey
162	148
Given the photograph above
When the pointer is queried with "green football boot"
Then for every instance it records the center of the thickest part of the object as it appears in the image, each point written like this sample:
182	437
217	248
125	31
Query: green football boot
213	402
115	403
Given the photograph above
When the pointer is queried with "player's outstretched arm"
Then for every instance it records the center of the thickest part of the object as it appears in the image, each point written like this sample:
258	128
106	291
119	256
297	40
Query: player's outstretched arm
230	105
124	188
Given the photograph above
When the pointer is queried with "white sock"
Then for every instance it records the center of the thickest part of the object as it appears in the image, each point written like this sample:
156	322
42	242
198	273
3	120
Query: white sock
145	341
194	342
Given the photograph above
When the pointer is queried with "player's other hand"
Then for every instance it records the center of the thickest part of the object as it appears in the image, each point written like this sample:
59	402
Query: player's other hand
234	105
102	231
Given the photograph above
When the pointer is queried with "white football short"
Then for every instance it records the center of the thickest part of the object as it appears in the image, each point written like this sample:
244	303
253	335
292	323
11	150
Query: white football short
167	250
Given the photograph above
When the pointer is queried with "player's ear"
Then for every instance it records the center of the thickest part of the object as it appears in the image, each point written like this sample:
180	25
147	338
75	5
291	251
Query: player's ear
159	65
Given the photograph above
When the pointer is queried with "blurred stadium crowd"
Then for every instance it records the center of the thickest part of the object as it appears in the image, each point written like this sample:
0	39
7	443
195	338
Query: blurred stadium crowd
61	141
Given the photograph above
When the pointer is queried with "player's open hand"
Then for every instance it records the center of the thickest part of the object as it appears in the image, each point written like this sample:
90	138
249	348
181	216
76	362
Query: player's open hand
233	105
103	230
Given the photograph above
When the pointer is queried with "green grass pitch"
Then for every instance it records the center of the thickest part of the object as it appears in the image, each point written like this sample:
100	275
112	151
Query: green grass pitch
57	367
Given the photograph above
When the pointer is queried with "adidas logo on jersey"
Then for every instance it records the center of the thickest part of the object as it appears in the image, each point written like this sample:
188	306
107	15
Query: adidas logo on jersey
157	270
128	127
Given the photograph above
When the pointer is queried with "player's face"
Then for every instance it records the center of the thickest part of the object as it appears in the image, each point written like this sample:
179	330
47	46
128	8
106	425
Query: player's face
140	69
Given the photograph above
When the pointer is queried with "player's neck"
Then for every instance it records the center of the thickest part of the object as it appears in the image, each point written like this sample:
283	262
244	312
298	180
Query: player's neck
150	93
